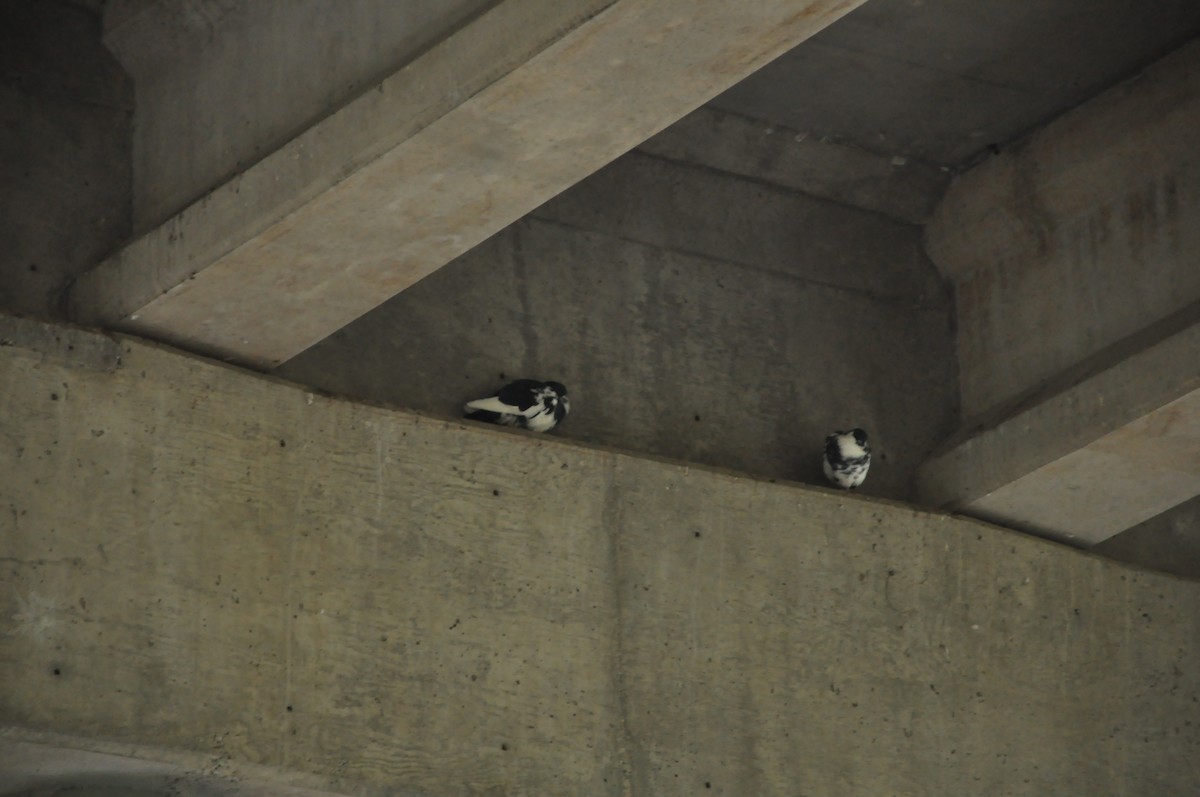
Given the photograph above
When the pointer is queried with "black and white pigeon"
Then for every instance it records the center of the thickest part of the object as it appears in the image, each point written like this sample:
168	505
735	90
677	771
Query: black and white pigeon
847	458
524	403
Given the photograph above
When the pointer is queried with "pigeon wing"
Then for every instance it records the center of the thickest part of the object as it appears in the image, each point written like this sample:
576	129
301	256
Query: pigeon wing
523	395
833	452
493	404
516	398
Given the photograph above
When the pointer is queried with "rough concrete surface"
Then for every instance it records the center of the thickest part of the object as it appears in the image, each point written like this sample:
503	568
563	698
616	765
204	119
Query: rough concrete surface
1070	254
1077	239
200	559
691	314
897	187
1169	542
258	278
1104	453
65	109
54	765
251	605
222	84
1112	484
942	82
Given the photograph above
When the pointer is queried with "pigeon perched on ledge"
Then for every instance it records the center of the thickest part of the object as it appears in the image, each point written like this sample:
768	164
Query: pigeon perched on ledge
525	403
847	458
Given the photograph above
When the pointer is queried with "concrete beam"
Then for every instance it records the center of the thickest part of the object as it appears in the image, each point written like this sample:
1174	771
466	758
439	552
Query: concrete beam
1116	448
502	115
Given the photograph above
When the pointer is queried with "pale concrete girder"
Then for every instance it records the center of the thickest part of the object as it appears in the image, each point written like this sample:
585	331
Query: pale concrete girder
1113	450
444	153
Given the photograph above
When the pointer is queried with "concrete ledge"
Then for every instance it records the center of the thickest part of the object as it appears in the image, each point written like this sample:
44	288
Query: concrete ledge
351	212
1116	448
60	344
217	564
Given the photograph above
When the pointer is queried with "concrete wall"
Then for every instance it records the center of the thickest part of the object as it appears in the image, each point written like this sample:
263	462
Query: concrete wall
1076	239
372	601
65	109
220	84
691	313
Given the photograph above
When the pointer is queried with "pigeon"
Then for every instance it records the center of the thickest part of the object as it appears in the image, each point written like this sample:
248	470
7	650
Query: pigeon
847	458
525	403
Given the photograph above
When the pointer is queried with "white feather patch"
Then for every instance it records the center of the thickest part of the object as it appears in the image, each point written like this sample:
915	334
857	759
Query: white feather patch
494	404
848	448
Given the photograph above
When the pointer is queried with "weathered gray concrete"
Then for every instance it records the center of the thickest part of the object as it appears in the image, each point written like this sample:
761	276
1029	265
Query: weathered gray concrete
65	108
233	595
1169	542
1077	239
942	82
894	186
691	314
222	84
54	765
202	560
1077	284
1117	447
512	108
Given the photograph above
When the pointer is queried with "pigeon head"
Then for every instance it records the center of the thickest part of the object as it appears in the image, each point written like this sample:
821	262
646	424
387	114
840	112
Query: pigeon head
859	435
554	393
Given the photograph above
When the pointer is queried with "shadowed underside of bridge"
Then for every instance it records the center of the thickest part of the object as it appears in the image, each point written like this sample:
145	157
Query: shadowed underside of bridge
279	196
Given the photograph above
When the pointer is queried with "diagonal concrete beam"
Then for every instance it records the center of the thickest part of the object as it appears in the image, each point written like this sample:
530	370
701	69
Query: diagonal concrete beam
1116	448
449	150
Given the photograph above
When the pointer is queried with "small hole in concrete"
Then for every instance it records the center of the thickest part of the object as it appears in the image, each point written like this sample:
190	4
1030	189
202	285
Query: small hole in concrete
495	492
283	443
54	397
289	708
503	746
57	671
697	534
